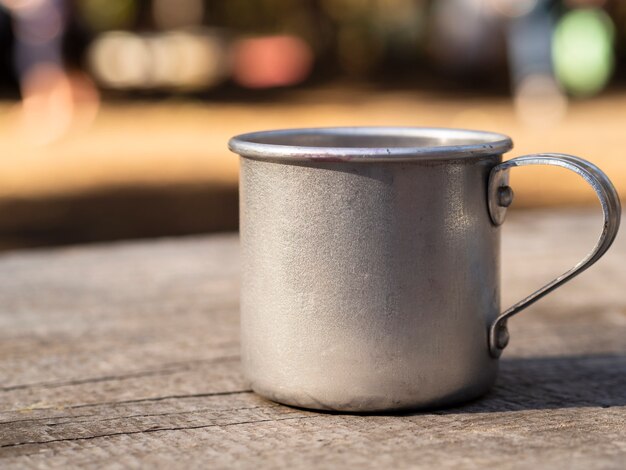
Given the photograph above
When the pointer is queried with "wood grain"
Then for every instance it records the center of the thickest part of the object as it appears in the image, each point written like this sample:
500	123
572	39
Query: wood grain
126	355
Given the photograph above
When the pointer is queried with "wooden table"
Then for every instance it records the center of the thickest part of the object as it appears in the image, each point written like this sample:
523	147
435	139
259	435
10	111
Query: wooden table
126	355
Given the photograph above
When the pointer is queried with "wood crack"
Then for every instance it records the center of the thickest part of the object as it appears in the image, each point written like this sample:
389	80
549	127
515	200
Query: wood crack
70	419
138	400
107	378
166	397
30	420
147	431
151	415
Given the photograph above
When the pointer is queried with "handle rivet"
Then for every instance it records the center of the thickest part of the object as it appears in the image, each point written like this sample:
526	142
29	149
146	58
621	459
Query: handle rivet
505	196
502	337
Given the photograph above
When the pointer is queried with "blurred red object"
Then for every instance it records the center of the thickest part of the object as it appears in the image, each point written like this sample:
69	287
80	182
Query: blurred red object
271	61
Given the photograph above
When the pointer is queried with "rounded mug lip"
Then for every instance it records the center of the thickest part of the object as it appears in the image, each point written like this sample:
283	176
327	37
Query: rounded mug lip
456	143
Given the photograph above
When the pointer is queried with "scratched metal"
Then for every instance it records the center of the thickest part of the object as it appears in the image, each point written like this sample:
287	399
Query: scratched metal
370	266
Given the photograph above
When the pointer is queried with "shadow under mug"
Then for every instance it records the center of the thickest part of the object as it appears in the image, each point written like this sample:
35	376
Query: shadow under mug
370	263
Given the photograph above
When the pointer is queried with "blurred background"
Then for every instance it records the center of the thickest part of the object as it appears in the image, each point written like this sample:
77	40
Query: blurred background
114	114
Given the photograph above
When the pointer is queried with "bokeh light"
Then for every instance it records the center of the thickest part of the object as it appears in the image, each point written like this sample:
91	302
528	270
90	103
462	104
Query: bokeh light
47	105
583	51
271	61
190	59
120	60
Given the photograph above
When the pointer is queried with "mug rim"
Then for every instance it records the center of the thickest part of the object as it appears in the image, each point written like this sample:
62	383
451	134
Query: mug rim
456	144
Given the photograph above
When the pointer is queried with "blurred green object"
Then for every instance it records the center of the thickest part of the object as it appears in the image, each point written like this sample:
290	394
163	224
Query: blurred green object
103	15
582	51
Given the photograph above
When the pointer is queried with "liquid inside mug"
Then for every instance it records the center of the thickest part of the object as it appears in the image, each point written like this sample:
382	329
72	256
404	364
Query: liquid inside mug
370	263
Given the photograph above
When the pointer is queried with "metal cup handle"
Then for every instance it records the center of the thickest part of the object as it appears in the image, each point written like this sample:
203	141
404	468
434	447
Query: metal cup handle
500	197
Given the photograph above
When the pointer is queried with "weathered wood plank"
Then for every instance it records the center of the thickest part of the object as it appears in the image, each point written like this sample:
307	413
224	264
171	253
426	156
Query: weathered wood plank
126	355
219	376
556	438
538	384
106	311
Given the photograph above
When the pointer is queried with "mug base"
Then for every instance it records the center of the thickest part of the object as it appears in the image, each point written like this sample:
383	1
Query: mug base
374	404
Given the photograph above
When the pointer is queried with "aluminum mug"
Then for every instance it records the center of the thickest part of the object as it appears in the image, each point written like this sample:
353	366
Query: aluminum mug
370	263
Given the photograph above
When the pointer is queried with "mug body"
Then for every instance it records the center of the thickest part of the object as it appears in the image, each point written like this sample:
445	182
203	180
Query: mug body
368	285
